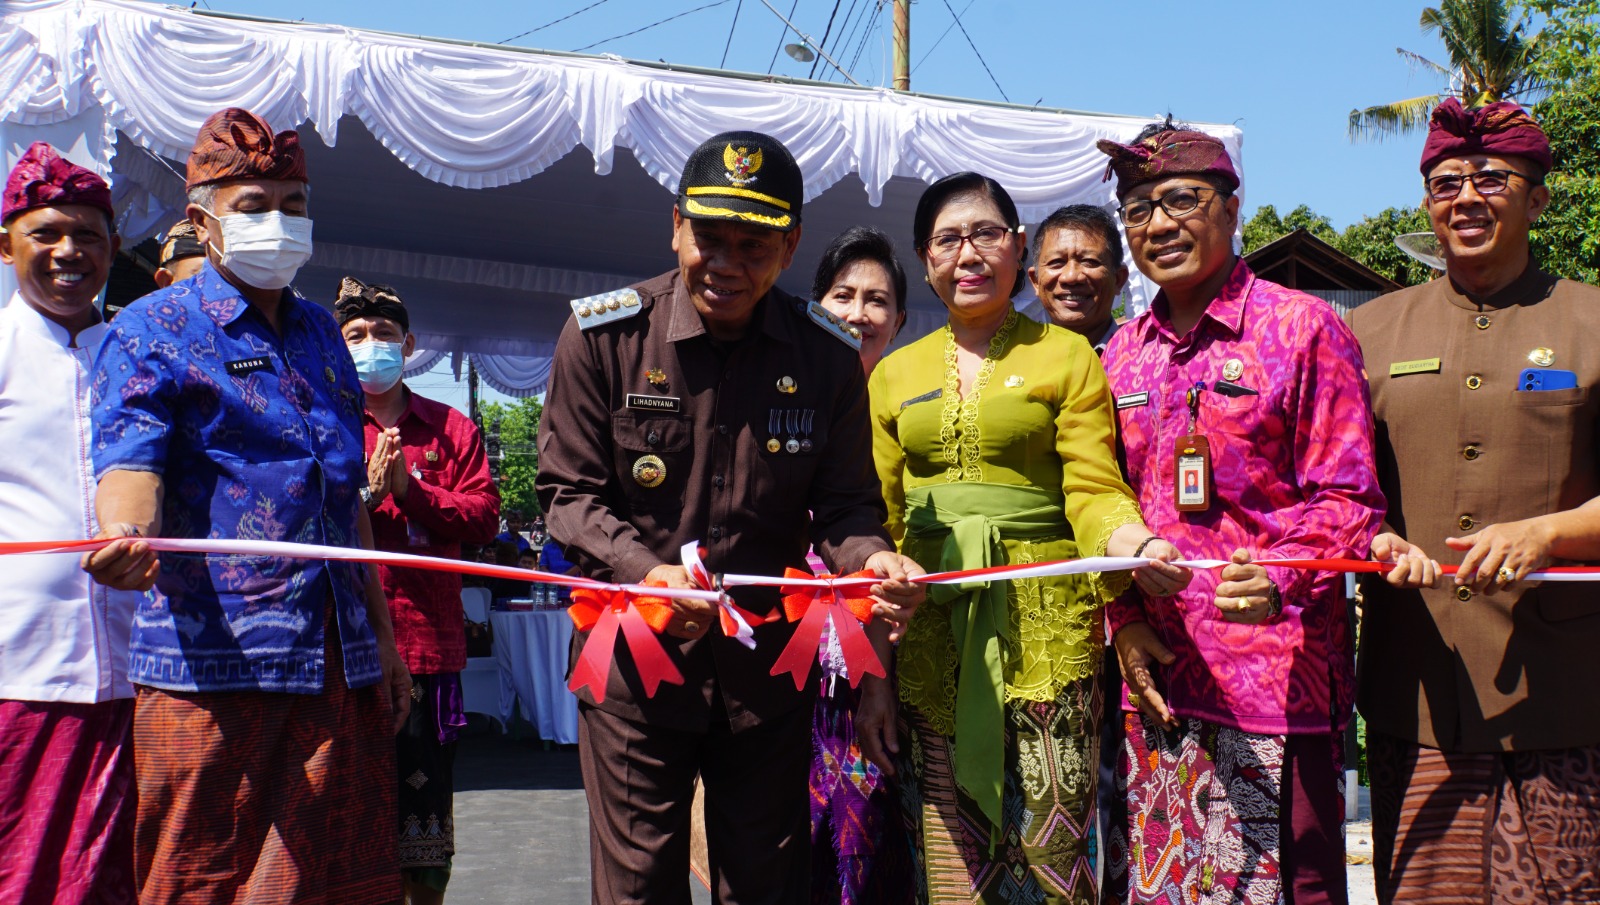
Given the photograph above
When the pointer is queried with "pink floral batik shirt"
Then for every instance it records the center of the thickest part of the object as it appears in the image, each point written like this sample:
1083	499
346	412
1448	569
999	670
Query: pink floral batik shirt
1290	432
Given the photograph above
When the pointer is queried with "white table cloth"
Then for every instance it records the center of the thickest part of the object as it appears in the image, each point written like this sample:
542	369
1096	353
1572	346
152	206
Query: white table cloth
531	649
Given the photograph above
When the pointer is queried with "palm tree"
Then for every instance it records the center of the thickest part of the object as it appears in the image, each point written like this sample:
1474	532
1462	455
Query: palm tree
1491	58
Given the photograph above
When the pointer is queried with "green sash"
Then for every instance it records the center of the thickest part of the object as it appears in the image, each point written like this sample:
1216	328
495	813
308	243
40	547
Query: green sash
973	518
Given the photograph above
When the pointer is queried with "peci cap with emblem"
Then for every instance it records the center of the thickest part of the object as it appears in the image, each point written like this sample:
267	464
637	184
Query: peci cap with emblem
747	177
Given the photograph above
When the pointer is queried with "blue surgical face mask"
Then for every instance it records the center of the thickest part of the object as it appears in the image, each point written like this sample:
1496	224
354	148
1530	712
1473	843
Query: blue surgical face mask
378	364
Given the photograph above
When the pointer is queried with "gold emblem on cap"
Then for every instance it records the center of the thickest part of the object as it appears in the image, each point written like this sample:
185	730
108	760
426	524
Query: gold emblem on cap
431	455
786	384
1014	381
742	164
1232	369
1542	357
657	378
649	471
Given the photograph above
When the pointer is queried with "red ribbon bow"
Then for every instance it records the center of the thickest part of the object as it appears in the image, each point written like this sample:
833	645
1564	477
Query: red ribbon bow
601	612
800	604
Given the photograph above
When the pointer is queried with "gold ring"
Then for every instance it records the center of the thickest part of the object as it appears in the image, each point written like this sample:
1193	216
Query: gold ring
1135	699
691	626
1506	576
1244	604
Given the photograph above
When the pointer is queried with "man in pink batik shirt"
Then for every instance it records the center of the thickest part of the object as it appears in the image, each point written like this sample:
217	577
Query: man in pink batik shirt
1243	413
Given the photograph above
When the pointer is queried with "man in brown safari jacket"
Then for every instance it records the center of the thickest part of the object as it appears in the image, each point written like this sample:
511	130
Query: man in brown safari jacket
1479	691
706	405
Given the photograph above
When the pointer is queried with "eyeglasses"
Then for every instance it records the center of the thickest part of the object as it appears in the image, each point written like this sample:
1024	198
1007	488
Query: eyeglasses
945	246
1177	203
1484	182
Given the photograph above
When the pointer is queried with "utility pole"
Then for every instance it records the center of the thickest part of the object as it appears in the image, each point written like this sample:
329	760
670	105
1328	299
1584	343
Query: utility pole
902	45
472	394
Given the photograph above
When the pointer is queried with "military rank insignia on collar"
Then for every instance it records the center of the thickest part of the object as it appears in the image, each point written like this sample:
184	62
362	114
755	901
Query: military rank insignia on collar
830	322
619	304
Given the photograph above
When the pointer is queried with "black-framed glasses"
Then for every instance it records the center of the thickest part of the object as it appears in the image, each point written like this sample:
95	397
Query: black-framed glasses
1179	202
1484	182
945	246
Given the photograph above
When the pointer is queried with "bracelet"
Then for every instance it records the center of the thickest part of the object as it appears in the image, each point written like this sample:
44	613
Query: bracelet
1138	552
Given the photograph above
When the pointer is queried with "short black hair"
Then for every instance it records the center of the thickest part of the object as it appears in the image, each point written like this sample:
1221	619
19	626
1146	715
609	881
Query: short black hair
956	185
860	243
1086	218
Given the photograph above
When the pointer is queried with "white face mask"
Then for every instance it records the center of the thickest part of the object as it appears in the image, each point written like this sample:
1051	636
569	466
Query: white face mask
264	250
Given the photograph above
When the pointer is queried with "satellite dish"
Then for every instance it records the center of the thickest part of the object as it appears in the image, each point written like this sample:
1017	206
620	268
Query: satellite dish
1423	247
800	52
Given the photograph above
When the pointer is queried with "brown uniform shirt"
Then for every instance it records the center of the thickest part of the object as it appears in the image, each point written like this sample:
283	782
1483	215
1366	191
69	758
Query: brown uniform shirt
1461	448
708	417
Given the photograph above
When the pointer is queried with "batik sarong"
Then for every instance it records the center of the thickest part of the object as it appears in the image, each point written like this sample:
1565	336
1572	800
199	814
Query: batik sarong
858	840
253	798
1453	828
425	754
66	803
1212	815
1044	850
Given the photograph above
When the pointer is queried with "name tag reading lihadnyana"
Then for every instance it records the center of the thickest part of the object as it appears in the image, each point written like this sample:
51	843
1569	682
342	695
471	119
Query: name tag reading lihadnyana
1420	366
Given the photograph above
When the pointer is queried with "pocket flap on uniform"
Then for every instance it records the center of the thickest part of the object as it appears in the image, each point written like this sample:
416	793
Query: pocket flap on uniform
650	434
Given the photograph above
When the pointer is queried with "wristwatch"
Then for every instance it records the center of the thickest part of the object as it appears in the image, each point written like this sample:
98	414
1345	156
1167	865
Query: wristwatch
1274	601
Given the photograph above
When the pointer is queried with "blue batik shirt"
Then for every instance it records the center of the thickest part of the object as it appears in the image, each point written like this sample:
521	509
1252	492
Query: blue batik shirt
256	437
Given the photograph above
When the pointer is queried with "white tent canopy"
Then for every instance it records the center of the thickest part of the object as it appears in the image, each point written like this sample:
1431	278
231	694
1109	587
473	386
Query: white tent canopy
453	171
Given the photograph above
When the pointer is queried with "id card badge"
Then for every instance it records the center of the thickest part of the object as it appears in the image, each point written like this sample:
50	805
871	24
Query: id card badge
1191	491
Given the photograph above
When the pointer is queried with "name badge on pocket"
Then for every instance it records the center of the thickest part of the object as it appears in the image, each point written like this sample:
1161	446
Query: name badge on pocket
1132	400
1420	366
248	365
655	403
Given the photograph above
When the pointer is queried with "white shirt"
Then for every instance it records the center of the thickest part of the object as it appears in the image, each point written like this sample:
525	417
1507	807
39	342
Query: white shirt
62	637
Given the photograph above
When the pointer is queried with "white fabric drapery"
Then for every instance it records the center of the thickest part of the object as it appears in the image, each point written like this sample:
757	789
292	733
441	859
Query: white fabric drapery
478	117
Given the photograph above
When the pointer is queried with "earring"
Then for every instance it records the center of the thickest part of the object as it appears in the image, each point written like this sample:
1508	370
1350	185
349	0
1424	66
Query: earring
926	280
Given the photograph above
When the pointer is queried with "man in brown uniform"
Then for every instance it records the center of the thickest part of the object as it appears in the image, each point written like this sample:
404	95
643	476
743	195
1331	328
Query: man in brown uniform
707	405
1479	691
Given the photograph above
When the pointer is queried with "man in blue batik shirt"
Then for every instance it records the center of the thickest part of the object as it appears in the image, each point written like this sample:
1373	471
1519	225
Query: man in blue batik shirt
269	689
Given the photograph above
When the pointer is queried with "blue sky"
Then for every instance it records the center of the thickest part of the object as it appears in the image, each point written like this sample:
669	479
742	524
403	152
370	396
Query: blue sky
1286	72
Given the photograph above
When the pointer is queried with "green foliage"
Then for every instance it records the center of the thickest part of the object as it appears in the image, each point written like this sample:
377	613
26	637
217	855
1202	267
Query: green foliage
1566	237
1266	226
1371	241
518	463
1569	38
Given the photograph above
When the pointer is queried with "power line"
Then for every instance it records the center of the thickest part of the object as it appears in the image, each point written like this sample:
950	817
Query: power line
781	35
628	34
845	30
548	24
826	32
975	51
738	6
866	36
934	46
